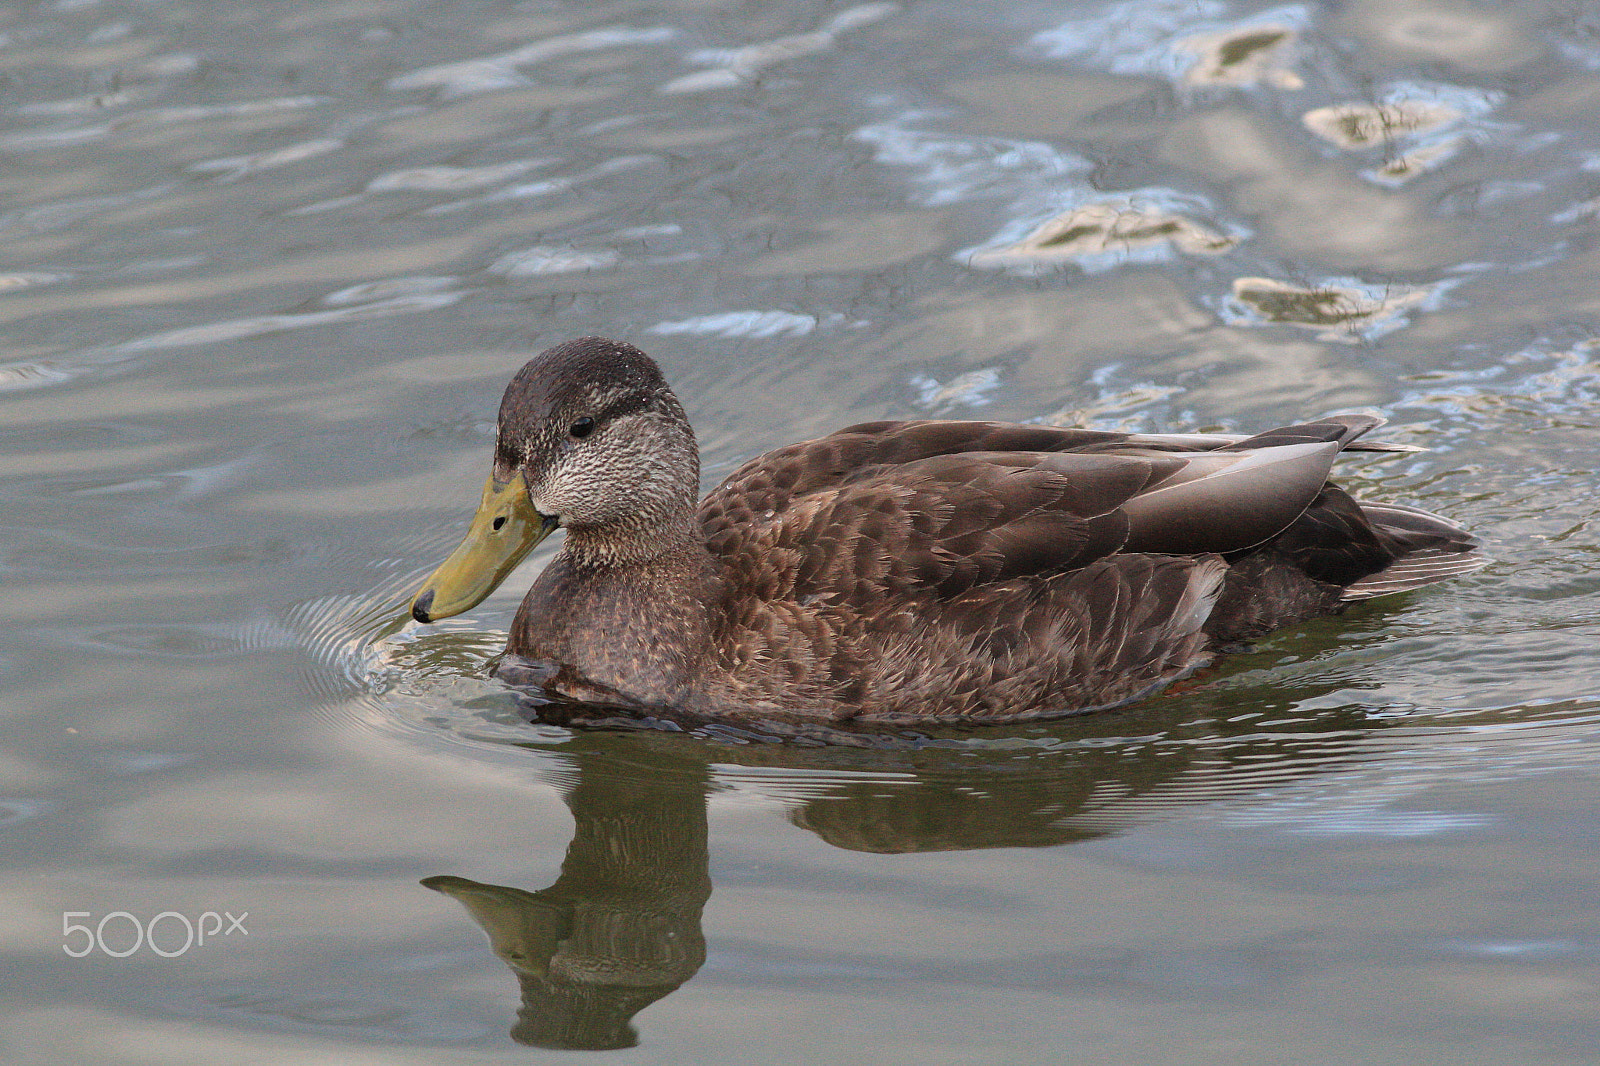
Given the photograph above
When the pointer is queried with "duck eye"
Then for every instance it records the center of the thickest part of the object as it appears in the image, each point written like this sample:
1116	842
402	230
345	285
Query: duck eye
499	520
583	427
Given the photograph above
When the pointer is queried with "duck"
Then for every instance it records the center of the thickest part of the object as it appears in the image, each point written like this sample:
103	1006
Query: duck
899	573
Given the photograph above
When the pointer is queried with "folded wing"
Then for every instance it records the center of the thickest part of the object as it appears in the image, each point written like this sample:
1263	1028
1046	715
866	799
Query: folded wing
943	507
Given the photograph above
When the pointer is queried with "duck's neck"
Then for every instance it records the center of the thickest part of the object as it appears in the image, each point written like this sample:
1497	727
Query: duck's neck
633	542
625	613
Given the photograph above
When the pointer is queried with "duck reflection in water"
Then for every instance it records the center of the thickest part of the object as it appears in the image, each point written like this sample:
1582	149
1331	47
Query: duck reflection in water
621	927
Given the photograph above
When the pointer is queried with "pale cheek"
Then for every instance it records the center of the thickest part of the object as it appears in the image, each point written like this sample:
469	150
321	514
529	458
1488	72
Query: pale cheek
632	480
581	498
539	494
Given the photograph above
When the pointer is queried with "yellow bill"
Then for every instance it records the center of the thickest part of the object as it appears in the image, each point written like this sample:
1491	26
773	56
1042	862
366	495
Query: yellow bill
503	532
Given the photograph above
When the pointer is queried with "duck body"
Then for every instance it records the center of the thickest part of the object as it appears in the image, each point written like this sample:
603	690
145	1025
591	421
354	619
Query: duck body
906	572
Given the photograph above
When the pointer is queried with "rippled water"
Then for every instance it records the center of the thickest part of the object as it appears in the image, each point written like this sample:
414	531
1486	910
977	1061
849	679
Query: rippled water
266	269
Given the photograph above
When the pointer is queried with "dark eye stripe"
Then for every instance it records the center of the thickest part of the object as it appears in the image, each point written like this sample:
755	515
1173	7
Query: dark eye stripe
627	405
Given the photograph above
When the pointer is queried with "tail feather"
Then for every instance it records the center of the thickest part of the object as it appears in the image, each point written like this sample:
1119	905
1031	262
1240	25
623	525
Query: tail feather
1437	549
1343	429
1348	430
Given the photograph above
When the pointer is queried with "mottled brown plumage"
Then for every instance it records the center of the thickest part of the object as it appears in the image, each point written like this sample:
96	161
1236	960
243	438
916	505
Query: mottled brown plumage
903	572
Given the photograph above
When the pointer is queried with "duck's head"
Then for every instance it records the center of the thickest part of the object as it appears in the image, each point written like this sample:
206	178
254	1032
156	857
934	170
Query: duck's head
590	439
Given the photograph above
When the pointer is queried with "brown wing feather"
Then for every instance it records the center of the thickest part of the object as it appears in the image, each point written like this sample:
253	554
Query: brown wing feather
893	569
768	482
892	508
944	525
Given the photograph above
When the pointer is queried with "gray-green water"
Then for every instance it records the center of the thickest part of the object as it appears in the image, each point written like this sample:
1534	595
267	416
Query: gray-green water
265	268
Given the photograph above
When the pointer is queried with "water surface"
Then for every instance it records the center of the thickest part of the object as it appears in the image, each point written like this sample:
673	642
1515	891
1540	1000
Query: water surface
266	268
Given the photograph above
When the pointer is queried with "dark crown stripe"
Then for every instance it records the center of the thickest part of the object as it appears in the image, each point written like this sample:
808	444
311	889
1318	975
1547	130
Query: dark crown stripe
631	404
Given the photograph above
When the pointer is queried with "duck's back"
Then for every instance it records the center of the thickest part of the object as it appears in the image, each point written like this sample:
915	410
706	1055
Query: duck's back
903	571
